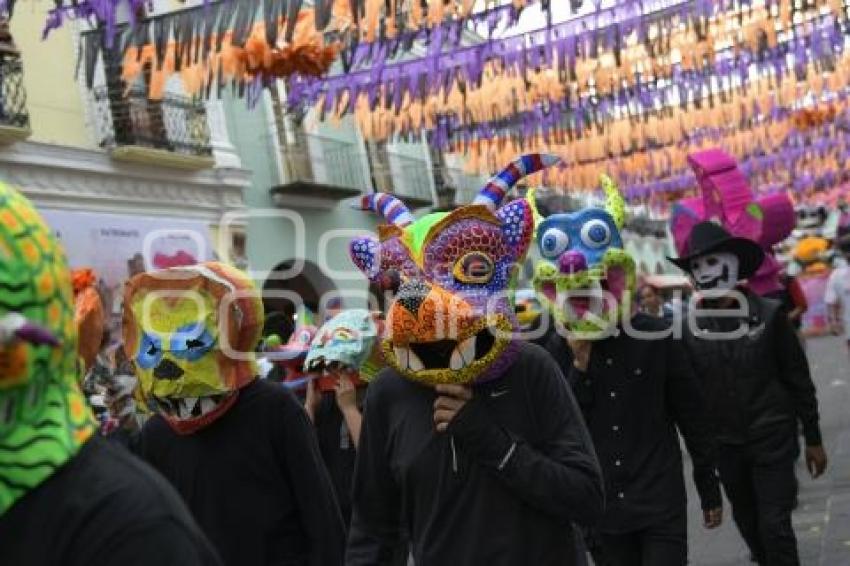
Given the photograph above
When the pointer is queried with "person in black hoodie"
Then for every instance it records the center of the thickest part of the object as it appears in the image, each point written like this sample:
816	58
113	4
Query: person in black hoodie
634	386
67	496
758	388
240	450
343	350
471	444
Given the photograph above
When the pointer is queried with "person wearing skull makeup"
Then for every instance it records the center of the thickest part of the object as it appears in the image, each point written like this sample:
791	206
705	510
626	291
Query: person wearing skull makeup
756	381
634	386
472	444
67	496
240	450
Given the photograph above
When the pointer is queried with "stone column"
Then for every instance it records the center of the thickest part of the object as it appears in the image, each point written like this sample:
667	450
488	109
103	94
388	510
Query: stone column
223	151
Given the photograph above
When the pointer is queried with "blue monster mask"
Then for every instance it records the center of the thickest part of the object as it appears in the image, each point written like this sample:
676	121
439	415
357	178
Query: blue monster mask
585	278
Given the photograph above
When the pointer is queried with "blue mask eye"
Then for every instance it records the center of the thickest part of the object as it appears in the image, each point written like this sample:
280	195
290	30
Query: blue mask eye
554	242
595	234
191	342
150	351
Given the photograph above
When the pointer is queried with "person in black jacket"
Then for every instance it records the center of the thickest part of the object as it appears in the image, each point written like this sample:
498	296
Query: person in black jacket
634	385
634	395
342	351
497	481
756	380
240	450
471	443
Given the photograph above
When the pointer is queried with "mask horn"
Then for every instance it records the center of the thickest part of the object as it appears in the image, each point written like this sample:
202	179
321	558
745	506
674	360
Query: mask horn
614	203
388	206
498	186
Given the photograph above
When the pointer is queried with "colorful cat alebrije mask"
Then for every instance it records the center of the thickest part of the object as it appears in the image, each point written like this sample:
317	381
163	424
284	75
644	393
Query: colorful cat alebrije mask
192	332
452	320
586	278
44	419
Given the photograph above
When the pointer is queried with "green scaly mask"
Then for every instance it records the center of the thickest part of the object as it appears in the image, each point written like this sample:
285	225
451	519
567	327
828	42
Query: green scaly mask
44	418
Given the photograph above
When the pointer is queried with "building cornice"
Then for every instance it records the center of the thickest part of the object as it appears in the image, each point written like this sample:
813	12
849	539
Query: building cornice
56	176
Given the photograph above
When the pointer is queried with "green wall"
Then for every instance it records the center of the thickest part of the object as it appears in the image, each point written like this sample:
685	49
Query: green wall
272	240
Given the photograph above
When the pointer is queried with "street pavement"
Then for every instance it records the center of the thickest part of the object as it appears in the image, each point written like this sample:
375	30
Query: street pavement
822	519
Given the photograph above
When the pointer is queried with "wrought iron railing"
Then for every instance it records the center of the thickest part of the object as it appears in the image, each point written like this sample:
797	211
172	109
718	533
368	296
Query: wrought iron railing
175	123
325	160
330	161
13	96
404	176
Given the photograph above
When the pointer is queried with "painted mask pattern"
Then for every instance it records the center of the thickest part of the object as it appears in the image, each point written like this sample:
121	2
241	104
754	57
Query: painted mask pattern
452	320
585	277
192	332
347	339
291	356
44	419
715	271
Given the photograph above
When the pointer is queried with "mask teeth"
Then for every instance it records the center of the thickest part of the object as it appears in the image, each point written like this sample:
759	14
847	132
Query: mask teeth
208	404
168	406
187	407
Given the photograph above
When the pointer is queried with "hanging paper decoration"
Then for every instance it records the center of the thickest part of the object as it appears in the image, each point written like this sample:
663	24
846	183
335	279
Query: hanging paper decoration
613	63
808	118
251	63
361	21
634	86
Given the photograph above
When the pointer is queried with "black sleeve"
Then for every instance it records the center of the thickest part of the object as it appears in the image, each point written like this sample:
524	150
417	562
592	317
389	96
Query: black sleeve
562	478
130	440
310	484
164	542
686	404
581	385
375	533
795	376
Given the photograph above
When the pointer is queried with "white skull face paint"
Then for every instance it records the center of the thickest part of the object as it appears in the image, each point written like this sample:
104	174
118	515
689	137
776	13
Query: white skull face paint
715	271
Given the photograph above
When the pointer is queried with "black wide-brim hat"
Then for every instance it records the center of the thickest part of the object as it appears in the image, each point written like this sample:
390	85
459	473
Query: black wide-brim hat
710	237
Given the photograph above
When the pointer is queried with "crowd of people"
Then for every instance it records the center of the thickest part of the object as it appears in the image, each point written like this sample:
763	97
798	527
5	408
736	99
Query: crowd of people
427	430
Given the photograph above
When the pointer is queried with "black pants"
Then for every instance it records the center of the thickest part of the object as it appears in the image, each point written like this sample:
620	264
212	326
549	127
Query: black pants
664	544
759	481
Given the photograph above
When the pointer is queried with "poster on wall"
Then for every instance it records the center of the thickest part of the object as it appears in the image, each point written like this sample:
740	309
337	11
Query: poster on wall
119	246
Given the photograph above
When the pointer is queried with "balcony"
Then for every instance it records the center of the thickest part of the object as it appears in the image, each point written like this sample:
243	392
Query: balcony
14	118
172	132
408	178
321	171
